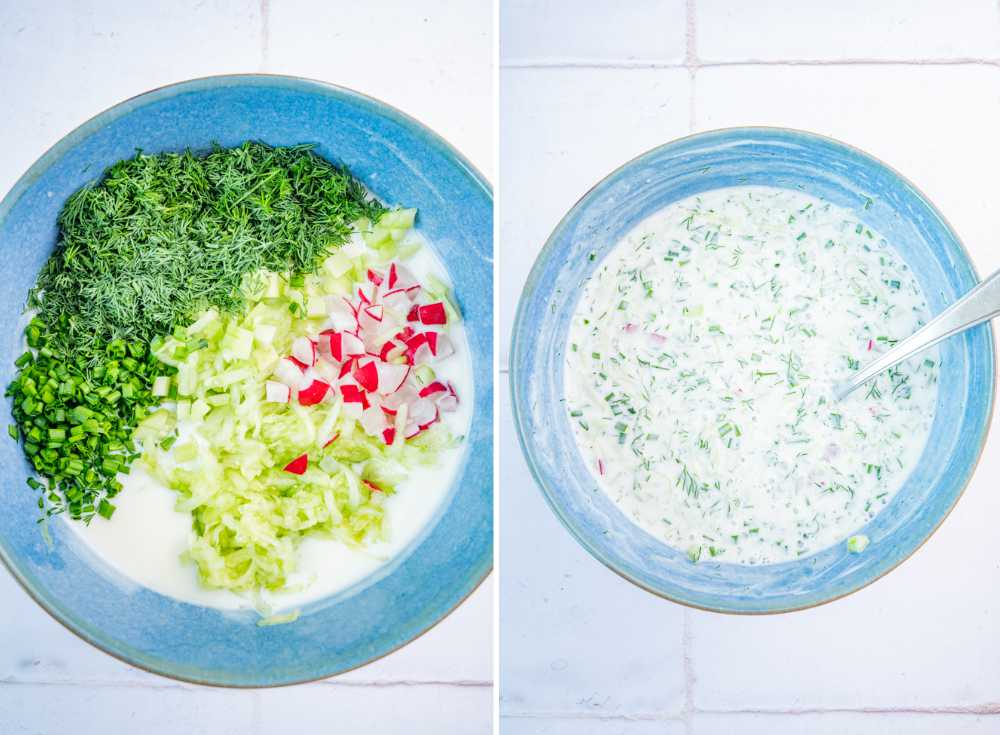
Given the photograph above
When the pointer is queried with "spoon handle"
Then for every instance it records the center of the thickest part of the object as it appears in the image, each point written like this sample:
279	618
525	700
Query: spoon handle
977	306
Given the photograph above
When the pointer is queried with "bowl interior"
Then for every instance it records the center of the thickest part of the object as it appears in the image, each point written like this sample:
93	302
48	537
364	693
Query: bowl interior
401	162
737	157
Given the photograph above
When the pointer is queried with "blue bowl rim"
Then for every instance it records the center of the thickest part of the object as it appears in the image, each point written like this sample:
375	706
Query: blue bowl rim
119	109
532	283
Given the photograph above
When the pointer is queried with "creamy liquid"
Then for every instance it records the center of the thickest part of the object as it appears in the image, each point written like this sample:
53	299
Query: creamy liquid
146	537
700	364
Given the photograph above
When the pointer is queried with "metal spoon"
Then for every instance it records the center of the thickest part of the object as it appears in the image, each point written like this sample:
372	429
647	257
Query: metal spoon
977	306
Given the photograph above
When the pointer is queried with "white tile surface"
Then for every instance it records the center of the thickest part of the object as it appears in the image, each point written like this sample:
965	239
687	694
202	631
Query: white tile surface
62	62
432	59
589	726
413	710
563	131
641	30
936	125
842	723
576	637
39	709
850	29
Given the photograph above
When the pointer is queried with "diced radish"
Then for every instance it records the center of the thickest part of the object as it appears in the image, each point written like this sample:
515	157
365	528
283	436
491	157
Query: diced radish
412	292
600	466
375	312
366	373
387	349
372	486
400	277
423	411
331	440
342	314
657	340
442	347
391	377
870	345
631	328
413	315
373	421
422	354
397	299
389	411
367	294
405	334
448	403
375	277
314	393
405	396
304	350
437	417
351	344
431	389
352	394
289	372
389	435
298	363
298	465
275	392
433	313
347	368
324	345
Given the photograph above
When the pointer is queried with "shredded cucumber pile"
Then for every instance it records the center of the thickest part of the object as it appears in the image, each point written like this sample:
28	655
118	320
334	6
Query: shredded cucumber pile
221	447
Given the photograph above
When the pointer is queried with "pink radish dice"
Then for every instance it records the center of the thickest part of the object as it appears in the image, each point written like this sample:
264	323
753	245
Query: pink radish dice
351	345
343	317
314	393
400	277
298	465
366	373
423	411
433	313
431	390
442	347
375	277
397	300
304	350
391	377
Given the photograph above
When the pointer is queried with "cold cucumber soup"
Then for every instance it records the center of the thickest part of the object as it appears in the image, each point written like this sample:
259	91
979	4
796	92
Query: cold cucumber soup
699	371
245	383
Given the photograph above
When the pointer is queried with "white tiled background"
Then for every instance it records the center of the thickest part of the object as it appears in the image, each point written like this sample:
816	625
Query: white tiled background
587	86
62	62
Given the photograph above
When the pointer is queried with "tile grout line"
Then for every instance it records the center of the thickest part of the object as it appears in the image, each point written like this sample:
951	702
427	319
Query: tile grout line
691	61
581	63
690	58
265	33
989	710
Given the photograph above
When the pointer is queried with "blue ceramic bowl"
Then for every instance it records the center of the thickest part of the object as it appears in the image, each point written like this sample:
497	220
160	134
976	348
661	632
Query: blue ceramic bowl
401	162
748	156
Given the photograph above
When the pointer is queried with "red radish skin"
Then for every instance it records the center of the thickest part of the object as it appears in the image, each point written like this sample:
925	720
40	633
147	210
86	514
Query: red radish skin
414	314
297	363
298	465
433	388
375	277
433	313
366	375
314	394
373	487
332	440
389	435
